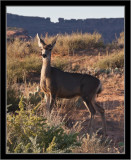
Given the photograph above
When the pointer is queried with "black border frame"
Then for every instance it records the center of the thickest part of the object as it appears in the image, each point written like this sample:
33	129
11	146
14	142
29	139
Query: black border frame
3	79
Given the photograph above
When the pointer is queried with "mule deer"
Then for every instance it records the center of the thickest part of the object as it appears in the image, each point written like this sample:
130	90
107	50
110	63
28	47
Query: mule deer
56	83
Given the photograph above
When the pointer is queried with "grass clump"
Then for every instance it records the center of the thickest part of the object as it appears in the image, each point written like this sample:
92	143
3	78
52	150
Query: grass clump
18	69
17	48
115	60
13	98
120	40
96	144
117	44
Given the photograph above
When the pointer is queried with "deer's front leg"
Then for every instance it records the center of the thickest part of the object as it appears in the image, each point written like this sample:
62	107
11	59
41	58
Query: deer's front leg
47	98
52	100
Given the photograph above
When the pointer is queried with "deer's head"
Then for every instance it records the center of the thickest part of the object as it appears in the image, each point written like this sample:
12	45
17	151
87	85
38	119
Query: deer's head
46	48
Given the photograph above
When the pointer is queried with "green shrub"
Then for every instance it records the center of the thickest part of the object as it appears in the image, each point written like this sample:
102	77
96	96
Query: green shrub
14	94
29	133
34	98
13	98
115	60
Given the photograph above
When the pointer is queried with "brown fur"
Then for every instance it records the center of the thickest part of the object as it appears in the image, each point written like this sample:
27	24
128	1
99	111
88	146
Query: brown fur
56	83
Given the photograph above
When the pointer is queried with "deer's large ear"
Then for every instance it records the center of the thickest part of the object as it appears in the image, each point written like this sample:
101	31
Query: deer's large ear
54	41
41	43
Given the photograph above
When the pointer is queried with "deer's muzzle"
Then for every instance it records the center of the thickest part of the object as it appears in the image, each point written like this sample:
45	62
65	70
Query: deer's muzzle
44	55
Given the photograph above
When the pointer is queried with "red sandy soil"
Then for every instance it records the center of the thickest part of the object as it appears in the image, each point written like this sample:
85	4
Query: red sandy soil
16	33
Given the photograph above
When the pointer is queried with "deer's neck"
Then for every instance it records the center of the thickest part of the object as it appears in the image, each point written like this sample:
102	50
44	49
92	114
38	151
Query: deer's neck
46	69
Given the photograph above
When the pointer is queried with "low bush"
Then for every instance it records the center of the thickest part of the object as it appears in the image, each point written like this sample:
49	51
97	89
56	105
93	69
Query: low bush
29	133
117	44
115	60
120	40
34	98
17	48
13	98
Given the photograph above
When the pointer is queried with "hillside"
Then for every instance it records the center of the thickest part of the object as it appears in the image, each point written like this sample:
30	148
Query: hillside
109	28
13	32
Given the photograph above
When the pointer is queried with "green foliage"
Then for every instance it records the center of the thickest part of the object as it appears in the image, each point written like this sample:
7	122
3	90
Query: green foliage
52	145
115	60
13	98
121	144
35	98
14	94
29	133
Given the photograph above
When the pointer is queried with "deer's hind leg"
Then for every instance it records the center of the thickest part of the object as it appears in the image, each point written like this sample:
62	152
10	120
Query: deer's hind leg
102	113
92	110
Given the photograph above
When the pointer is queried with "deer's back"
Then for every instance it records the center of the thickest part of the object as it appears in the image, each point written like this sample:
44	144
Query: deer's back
67	85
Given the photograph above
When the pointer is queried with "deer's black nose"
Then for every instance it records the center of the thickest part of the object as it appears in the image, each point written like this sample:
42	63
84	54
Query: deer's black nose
44	55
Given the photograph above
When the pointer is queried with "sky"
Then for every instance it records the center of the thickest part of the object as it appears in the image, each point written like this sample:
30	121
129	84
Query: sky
69	12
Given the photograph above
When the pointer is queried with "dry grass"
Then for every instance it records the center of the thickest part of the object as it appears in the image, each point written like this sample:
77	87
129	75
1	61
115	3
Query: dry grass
114	60
18	69
68	44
